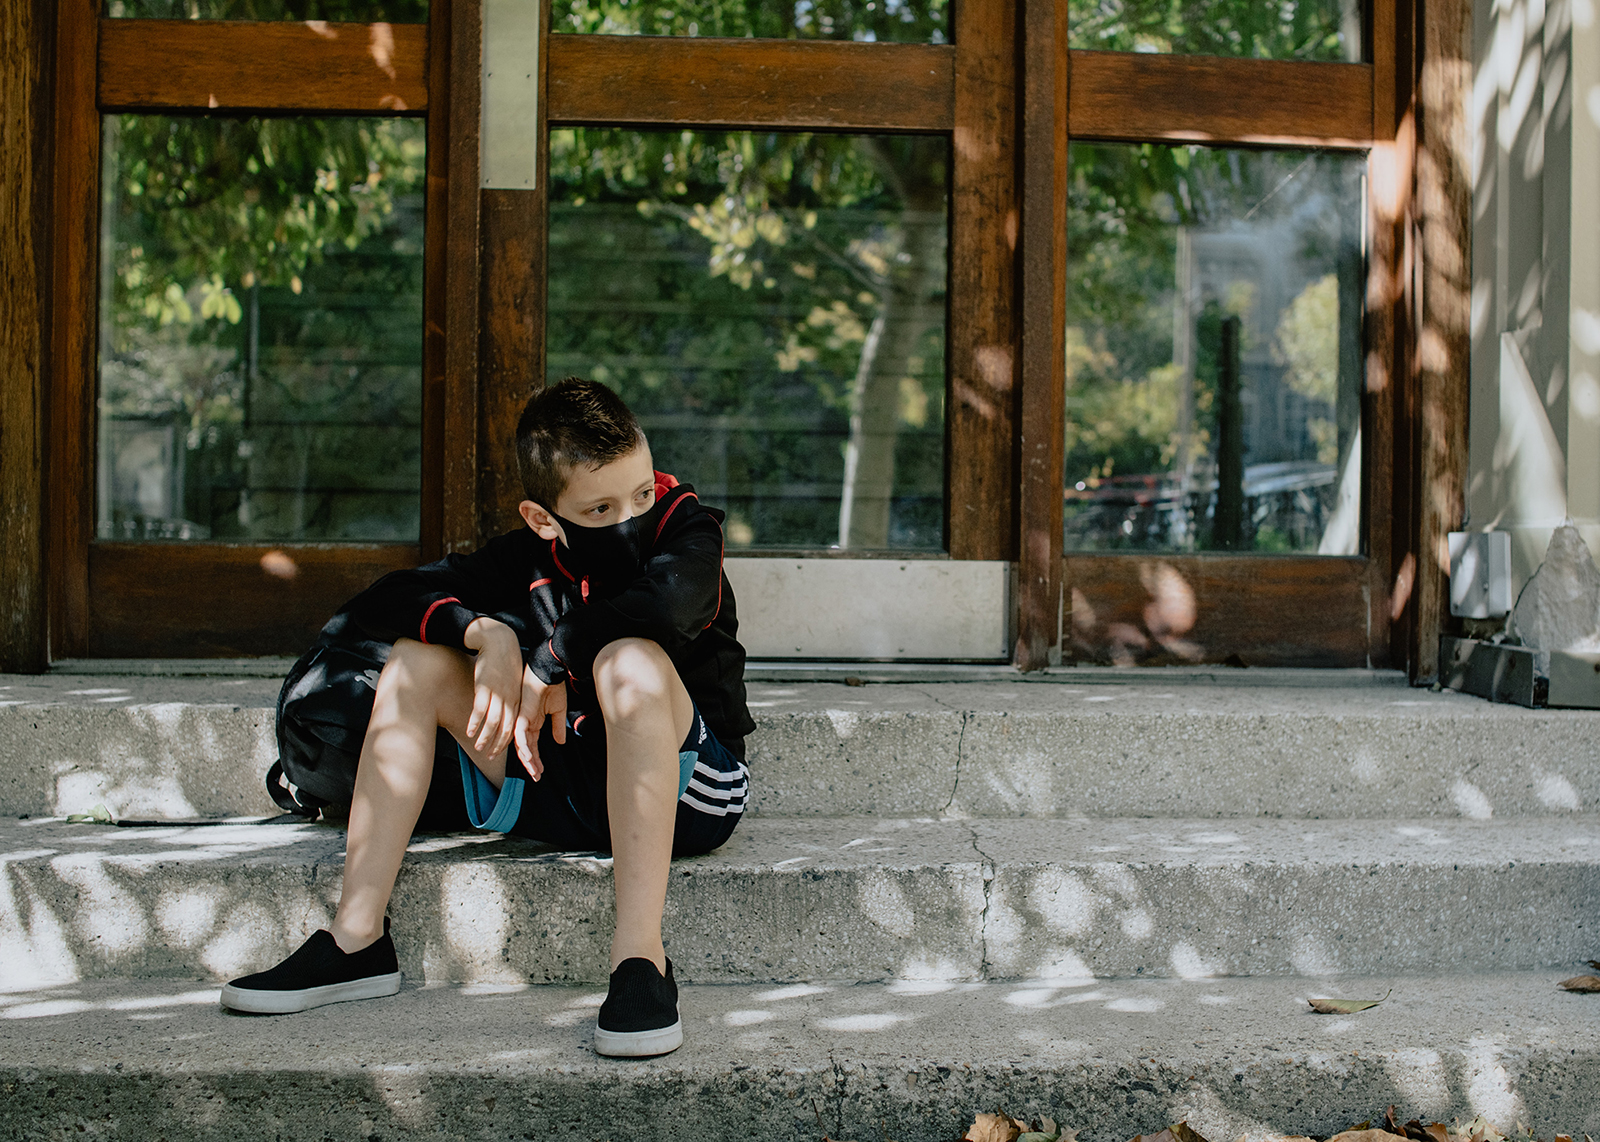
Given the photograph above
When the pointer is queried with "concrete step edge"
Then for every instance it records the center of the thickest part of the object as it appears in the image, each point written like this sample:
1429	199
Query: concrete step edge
136	1060
176	747
839	898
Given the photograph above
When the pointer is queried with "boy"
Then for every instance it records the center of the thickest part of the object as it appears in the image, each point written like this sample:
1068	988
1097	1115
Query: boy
597	643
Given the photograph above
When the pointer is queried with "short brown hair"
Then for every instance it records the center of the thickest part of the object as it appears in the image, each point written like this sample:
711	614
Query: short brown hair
571	423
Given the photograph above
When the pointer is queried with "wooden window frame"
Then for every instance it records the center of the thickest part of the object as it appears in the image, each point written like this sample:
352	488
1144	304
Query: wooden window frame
1002	92
215	599
1385	607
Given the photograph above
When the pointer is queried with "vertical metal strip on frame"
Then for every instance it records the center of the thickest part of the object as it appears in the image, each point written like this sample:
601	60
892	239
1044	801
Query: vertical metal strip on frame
512	35
514	219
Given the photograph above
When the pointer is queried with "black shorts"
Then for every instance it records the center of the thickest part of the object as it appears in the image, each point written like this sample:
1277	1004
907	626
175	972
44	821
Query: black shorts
566	807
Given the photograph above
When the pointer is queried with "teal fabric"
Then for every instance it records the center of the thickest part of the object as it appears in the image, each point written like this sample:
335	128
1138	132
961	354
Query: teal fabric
686	762
488	808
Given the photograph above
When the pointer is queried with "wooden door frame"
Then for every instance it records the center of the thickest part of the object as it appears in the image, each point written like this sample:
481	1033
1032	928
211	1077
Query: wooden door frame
134	599
1009	115
1417	341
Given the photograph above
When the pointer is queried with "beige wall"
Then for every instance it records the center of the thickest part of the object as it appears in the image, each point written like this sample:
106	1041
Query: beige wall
1535	421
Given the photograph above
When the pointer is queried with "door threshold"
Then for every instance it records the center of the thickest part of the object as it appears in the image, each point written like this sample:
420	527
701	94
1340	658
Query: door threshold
861	673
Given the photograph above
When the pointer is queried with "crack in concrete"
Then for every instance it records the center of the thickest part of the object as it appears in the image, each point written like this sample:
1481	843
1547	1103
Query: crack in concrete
840	1081
961	741
986	870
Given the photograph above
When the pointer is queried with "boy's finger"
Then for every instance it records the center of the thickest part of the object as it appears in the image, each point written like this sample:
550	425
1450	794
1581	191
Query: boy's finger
519	735
490	719
480	706
557	705
507	728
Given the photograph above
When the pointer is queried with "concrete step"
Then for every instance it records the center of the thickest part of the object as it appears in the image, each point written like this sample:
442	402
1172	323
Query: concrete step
160	746
833	899
142	1060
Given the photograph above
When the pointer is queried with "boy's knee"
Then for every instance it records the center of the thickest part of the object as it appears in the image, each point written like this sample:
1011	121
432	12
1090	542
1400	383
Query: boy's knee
413	663
631	674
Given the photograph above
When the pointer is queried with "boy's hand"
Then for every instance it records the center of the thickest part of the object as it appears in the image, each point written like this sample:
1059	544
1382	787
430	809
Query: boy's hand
496	690
540	700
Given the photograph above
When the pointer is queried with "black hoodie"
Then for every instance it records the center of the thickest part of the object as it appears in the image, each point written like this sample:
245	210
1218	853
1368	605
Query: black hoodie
564	615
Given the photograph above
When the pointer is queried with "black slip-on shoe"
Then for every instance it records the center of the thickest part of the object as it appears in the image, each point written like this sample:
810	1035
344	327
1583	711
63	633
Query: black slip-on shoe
640	1014
318	972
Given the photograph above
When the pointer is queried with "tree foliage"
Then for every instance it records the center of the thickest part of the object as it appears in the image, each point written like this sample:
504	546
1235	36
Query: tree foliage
902	21
756	283
1260	29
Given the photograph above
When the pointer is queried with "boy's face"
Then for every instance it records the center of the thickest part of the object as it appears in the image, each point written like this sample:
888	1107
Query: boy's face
598	497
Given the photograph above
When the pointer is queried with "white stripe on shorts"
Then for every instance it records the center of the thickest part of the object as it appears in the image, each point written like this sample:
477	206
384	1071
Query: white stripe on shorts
707	793
715	801
711	810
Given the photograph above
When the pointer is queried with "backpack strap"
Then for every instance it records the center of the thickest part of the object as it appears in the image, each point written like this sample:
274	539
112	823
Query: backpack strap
290	799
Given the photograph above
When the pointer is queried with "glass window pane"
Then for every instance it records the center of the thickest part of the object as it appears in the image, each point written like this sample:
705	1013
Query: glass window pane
261	329
1214	366
772	306
886	21
1256	29
355	11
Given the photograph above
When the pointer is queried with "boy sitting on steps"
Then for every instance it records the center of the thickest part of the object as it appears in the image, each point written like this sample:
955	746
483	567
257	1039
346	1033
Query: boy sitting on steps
598	643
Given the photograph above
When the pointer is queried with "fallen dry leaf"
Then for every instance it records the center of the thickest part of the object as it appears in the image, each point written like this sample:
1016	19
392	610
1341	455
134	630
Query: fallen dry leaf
1344	1006
1582	983
1370	1135
1047	1129
1594	964
1178	1132
997	1127
1480	1129
1001	1127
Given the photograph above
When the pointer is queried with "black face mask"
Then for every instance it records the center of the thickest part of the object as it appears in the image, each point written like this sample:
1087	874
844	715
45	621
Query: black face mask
611	556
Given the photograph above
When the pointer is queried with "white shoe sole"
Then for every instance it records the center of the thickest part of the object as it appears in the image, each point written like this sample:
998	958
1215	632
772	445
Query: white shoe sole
638	1044
286	1002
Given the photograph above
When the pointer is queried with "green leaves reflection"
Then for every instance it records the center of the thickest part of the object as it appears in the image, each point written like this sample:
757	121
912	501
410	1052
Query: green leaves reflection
888	21
772	305
1257	29
261	328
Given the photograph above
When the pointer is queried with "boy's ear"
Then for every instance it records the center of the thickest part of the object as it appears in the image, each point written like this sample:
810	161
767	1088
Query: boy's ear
541	521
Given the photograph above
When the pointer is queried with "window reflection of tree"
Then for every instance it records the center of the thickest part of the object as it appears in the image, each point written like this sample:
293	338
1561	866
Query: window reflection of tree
773	306
262	298
1165	245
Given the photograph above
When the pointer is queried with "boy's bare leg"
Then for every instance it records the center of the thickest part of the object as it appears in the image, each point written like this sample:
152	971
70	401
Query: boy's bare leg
421	688
647	714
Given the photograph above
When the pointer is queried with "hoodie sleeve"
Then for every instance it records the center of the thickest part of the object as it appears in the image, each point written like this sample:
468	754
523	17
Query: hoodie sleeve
675	599
436	603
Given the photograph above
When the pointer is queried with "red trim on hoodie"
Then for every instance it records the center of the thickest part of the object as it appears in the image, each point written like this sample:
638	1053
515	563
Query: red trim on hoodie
428	614
559	566
537	583
665	516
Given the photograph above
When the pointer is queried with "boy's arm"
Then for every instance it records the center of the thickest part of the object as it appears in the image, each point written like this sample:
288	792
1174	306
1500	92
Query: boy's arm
677	597
436	603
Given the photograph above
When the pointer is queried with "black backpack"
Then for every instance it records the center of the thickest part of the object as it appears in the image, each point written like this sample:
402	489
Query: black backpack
323	711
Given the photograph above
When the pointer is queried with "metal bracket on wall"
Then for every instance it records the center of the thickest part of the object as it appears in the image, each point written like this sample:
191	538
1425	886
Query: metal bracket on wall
1489	670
